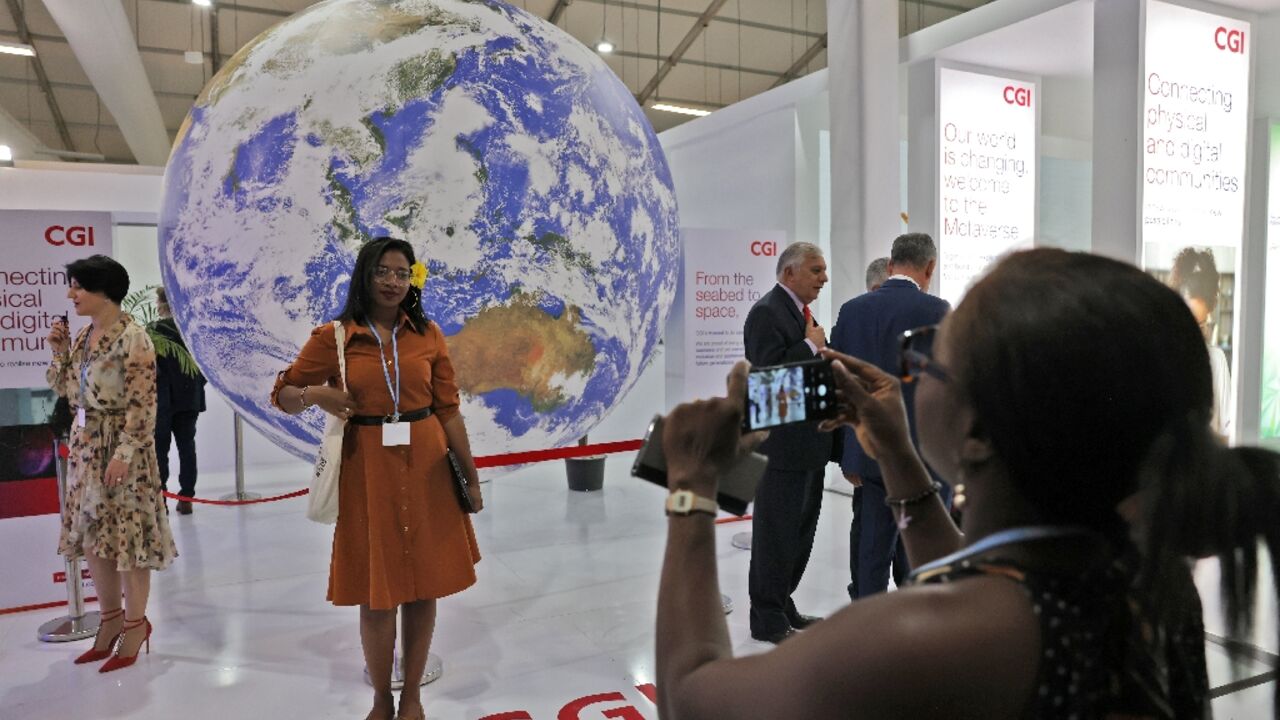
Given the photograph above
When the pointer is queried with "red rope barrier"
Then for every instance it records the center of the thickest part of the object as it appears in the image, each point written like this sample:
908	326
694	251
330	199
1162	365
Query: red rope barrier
273	498
573	451
723	520
484	461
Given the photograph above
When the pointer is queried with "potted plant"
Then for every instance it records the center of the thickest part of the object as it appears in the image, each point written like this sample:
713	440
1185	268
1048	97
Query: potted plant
141	304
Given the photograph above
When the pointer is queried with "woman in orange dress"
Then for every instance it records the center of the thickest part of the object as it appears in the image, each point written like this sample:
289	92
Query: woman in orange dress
402	539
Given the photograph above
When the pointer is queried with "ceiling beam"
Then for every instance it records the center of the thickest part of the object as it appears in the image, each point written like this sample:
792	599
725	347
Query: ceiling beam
627	5
698	26
558	11
797	67
20	140
238	7
24	36
215	61
101	38
699	63
186	96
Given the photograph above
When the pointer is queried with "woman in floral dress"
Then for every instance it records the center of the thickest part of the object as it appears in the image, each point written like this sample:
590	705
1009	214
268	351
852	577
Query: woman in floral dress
114	511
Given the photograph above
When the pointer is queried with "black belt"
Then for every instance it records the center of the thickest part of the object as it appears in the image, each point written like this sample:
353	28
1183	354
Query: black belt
411	416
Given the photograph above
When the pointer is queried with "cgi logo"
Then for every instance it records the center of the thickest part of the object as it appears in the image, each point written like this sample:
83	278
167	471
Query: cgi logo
77	236
764	248
1019	96
1229	40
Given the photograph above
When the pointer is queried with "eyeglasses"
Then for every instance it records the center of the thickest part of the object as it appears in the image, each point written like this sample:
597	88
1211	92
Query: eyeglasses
915	353
387	275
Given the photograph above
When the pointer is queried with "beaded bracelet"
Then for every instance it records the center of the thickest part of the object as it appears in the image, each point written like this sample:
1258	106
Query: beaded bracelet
934	488
905	520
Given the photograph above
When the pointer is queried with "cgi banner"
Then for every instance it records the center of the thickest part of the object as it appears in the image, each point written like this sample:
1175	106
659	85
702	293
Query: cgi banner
1269	428
1195	126
33	289
725	273
33	283
1195	88
988	127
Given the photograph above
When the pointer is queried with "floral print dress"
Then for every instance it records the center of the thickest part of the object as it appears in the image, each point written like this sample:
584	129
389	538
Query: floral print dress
127	523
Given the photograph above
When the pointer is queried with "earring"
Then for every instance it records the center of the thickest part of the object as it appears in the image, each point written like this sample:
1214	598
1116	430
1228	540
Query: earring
959	499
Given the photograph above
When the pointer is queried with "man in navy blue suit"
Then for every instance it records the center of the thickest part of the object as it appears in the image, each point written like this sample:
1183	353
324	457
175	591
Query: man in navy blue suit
869	327
780	329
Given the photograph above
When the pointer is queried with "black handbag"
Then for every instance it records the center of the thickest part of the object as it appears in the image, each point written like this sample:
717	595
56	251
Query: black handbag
459	482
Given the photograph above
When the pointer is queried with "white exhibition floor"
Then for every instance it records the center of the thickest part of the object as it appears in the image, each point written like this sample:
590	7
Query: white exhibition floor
564	609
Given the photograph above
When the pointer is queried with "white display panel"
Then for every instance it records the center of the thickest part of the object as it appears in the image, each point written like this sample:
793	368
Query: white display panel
1195	120
725	273
33	283
1195	144
988	128
1269	427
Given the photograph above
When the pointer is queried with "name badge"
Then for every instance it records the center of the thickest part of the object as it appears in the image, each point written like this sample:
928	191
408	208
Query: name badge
80	417
395	434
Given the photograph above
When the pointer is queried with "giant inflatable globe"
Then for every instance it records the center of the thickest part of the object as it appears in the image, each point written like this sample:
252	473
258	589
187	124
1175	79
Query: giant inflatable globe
510	156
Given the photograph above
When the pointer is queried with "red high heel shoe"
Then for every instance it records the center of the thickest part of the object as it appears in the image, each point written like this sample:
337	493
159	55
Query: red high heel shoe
118	661
94	654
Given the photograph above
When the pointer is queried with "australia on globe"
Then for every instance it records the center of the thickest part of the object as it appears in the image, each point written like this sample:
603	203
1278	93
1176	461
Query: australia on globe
514	161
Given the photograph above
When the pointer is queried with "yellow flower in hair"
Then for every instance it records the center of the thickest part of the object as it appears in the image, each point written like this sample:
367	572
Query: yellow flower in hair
418	275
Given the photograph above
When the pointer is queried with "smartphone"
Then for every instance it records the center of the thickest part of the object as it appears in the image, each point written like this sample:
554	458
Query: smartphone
737	488
796	392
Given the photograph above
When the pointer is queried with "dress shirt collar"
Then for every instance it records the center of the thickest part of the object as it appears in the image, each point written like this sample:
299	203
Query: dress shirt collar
794	298
903	277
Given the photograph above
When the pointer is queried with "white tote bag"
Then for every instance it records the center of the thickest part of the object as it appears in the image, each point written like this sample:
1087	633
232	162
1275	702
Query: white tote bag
322	500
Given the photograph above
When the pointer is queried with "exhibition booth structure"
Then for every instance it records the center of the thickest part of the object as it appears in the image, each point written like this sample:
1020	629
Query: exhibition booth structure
1137	130
1132	128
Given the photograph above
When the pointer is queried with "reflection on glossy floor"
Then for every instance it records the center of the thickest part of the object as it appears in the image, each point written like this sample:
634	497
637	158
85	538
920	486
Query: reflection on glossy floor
564	609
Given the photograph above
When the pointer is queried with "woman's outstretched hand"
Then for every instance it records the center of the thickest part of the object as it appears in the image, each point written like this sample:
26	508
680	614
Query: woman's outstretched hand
870	403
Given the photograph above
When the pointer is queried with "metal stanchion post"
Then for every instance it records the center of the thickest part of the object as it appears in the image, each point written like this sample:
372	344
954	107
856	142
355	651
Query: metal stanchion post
742	541
435	668
240	493
76	624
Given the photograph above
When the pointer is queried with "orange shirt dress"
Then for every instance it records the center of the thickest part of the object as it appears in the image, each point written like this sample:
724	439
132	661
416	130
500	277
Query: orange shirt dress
401	534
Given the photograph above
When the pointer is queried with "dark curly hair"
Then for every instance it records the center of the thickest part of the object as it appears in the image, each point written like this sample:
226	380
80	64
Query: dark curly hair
359	298
1195	275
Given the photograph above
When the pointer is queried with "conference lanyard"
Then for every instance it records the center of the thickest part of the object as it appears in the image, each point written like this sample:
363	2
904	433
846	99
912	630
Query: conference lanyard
395	353
1005	537
84	382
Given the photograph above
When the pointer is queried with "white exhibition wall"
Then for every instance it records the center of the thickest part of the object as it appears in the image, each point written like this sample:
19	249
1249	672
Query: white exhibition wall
759	165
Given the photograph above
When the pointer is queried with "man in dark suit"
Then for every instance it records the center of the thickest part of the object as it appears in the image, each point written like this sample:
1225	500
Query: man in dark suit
780	329
179	402
869	327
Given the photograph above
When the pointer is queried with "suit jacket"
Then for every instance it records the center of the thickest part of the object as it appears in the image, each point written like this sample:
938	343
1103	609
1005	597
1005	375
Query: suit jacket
869	328
774	334
175	390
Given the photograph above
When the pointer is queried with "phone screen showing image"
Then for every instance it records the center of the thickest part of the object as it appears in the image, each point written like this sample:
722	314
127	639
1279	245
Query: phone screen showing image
791	393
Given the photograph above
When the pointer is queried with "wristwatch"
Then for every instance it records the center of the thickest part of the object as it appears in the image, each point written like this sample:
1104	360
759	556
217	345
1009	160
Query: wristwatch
684	502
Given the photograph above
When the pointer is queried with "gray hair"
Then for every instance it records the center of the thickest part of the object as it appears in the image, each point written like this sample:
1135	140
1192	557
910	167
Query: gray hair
796	253
877	272
915	250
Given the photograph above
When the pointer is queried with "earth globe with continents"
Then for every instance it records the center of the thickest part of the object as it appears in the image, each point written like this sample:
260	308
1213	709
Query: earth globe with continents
513	160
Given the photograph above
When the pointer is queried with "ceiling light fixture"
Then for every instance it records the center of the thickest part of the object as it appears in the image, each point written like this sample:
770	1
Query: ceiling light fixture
202	3
603	46
6	155
679	109
9	48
